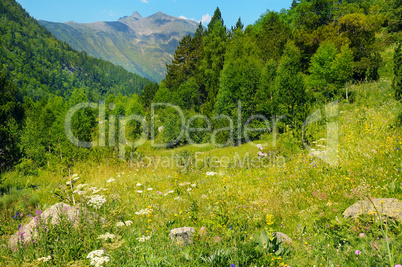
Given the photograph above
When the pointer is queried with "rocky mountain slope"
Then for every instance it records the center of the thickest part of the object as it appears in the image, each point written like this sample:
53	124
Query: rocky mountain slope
140	45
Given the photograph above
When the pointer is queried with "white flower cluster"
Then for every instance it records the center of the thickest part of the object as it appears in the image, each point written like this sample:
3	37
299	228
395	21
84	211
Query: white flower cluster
45	259
126	223
143	238
97	258
120	224
110	180
97	201
144	212
259	146
211	173
107	236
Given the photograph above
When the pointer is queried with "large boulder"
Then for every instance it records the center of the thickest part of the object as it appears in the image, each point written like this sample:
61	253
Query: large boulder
390	207
28	232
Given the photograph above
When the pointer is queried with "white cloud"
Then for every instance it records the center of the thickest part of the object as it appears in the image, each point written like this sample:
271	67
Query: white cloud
144	1
193	19
206	18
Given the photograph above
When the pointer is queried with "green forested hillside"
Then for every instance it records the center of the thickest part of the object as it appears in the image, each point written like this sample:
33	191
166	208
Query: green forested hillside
41	78
38	63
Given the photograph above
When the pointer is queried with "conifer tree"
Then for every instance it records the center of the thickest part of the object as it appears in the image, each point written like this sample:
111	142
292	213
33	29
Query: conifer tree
214	58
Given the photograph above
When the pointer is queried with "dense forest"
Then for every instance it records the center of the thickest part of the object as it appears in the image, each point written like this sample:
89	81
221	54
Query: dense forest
284	64
41	78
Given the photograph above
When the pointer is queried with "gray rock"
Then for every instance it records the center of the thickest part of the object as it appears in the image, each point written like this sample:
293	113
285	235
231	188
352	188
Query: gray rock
390	207
283	238
182	235
27	233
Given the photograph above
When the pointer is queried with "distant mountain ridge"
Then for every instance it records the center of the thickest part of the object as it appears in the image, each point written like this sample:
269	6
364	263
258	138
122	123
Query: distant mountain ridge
140	45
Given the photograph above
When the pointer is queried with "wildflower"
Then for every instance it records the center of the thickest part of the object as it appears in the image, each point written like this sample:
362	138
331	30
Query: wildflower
110	180
97	257
189	189
107	236
143	238
139	192
128	223
259	146
268	219
202	231
45	259
193	185
211	173
120	224
97	201
217	239
138	184
16	215
358	252
144	211
150	189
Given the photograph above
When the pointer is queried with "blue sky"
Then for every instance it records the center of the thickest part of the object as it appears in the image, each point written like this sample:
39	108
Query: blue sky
109	10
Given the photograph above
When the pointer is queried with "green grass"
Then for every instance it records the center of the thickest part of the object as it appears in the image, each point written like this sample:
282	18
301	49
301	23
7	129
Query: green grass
305	196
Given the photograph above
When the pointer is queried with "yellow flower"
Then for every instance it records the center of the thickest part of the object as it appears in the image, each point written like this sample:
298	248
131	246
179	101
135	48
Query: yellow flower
269	219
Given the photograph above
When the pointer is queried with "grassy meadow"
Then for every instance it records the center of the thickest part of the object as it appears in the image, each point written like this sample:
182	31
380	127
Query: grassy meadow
298	194
235	207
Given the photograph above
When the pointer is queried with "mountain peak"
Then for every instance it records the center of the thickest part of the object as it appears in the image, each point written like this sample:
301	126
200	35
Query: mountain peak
136	15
